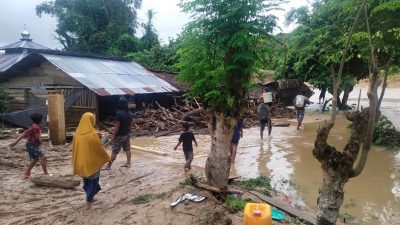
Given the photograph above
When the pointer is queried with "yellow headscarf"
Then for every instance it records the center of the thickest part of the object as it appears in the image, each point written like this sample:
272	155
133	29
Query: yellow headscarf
88	154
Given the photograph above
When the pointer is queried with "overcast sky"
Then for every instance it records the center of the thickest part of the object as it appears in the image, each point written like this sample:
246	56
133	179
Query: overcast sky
168	20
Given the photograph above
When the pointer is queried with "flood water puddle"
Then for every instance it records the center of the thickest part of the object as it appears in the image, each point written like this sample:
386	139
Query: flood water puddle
371	198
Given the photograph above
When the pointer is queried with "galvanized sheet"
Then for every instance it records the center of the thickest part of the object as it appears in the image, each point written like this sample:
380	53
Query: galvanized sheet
25	44
8	60
110	77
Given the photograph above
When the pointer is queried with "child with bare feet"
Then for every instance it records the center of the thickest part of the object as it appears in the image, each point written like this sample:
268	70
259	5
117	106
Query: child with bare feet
88	157
187	137
34	140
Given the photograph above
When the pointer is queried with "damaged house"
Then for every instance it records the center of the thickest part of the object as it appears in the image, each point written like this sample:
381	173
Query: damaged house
29	72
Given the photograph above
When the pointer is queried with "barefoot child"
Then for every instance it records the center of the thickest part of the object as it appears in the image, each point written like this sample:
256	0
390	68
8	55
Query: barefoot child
34	140
88	156
187	137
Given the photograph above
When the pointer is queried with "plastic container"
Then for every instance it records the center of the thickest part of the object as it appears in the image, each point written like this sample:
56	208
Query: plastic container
257	214
267	97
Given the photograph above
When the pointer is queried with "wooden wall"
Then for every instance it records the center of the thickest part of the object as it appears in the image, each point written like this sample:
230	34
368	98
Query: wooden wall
31	86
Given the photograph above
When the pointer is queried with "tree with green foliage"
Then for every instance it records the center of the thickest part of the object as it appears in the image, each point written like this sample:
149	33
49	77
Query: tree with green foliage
337	34
159	57
94	26
316	45
221	48
150	37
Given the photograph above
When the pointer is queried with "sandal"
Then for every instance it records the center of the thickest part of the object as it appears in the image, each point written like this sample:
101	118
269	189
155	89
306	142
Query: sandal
178	200
194	197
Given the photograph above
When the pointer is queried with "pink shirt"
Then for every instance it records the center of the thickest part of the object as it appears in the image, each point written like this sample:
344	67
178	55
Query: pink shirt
33	133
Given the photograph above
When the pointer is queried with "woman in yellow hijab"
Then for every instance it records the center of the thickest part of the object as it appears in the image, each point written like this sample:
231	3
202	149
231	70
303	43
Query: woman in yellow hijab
88	156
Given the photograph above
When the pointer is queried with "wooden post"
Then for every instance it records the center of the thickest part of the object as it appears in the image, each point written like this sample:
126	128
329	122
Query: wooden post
56	118
358	103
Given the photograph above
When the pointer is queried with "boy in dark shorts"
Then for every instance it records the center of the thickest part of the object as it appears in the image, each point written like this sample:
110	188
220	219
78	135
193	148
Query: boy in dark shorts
121	133
34	140
187	138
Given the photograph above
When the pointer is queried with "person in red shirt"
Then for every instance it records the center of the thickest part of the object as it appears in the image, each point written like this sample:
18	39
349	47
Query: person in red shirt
34	140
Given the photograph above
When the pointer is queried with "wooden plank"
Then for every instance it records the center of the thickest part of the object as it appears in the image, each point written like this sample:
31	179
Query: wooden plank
302	215
56	118
137	148
284	207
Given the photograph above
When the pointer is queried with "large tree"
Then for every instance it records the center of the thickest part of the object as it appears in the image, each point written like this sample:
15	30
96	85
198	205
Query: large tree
367	32
93	25
221	48
150	37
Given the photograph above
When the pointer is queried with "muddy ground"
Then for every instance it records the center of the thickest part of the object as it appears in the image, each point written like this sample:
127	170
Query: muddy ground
123	199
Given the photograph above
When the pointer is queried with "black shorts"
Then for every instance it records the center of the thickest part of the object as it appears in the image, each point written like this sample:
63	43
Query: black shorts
235	142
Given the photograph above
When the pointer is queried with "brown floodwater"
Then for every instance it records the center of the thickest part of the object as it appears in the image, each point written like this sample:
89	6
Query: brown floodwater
371	198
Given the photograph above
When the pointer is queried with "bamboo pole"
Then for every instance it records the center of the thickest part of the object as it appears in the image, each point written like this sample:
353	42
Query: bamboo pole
137	148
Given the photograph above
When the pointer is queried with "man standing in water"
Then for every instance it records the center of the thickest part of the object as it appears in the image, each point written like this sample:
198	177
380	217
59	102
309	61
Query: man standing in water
265	118
121	133
300	102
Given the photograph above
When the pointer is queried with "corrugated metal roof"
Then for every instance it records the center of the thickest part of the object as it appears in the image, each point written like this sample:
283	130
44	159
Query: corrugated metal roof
8	60
24	44
110	77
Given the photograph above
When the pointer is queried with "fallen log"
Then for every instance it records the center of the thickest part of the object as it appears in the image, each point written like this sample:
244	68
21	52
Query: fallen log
137	148
193	112
67	182
281	124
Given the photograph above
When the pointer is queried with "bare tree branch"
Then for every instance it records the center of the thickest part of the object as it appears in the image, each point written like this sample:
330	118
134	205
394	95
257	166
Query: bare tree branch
374	82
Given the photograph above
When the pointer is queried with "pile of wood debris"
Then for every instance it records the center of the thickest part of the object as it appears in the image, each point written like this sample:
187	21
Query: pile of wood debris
163	121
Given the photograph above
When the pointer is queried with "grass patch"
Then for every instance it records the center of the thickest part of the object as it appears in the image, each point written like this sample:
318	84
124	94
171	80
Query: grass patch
295	220
347	218
236	204
261	184
146	198
350	204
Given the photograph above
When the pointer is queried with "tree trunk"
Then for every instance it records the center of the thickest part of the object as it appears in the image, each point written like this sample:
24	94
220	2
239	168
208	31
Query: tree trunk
219	161
345	98
330	197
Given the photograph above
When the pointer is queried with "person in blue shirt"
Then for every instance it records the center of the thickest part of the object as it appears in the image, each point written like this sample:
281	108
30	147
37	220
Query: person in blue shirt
237	134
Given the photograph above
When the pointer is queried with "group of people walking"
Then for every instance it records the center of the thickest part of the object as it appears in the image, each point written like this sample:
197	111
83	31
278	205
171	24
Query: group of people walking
89	154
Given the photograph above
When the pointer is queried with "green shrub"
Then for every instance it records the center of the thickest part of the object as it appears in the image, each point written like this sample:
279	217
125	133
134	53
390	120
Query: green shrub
5	99
236	204
261	184
385	134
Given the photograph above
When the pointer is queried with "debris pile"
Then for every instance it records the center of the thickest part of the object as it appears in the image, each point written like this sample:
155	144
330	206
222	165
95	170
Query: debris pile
166	121
163	121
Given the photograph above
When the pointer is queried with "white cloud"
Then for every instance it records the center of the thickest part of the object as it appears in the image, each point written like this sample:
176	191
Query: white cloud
169	20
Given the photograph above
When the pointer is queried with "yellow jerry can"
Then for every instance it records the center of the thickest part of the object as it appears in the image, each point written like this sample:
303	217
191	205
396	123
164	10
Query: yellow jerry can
257	214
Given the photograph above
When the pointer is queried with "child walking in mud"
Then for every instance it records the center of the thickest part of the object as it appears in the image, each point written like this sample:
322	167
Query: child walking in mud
88	157
187	137
34	140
